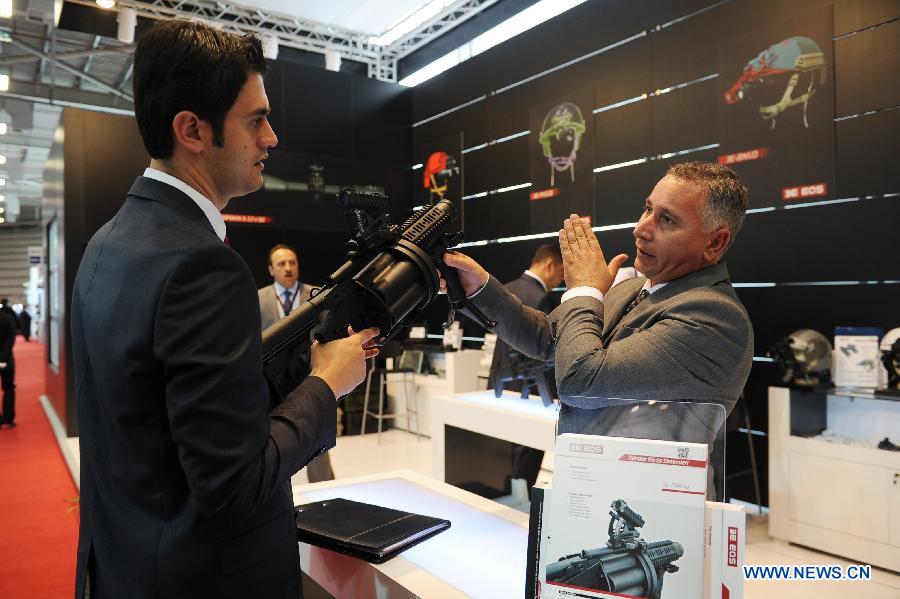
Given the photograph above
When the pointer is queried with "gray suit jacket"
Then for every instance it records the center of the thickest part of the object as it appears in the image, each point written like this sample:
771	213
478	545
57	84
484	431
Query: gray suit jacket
691	340
268	303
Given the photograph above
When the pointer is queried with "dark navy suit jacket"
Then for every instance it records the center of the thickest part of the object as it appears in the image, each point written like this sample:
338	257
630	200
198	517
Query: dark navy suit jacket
186	455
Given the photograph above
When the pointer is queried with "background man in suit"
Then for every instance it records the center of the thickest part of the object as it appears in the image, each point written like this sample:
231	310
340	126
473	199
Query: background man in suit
286	292
186	454
8	369
679	334
533	288
278	300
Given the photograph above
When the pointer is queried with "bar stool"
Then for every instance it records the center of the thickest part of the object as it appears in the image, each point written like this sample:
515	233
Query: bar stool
407	367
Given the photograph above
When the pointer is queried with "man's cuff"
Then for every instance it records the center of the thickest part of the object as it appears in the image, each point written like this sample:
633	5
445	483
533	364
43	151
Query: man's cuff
582	292
479	290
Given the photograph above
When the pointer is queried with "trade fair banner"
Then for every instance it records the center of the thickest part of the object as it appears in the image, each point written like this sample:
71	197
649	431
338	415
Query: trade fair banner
776	109
561	149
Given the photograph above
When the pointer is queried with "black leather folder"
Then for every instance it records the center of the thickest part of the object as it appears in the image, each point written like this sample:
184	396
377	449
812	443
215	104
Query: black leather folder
369	532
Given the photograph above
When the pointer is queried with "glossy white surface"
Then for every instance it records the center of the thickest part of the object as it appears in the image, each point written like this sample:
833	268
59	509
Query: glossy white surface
481	555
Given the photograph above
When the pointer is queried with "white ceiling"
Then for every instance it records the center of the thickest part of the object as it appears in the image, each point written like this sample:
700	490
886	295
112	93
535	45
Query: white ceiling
372	17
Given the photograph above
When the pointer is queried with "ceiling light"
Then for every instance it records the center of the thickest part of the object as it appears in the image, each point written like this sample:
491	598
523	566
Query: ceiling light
2	181
6	9
106	3
2	159
2	209
4	83
3	128
2	220
127	22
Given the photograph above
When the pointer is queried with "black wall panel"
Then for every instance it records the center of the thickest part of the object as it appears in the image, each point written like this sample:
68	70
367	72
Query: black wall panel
853	15
866	154
695	56
317	108
778	311
867	66
510	163
834	242
623	134
684	118
497	215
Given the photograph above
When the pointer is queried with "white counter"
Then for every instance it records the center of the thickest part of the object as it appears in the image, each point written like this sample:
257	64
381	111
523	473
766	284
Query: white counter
482	554
508	417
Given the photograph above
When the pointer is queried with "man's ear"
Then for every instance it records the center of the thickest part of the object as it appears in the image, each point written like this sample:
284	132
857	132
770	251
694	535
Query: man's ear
271	271
190	132
716	245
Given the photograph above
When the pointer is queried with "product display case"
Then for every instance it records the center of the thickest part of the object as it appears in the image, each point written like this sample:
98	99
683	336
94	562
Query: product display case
830	486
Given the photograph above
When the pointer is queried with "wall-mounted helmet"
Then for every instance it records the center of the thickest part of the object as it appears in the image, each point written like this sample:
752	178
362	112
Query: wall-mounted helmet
787	60
561	136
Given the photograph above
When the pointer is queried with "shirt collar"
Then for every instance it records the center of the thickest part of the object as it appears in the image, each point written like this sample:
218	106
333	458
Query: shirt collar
538	279
209	209
653	289
280	289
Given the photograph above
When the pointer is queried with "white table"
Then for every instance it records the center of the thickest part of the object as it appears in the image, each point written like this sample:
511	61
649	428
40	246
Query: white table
482	554
508	417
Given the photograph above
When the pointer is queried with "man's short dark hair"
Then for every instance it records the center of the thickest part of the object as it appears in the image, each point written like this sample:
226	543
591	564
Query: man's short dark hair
281	246
547	250
727	198
185	65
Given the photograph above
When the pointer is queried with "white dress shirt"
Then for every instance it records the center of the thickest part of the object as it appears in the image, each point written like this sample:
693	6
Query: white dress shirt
594	292
205	204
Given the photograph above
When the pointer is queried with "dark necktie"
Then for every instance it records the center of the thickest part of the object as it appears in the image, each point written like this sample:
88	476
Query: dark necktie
288	302
640	297
226	241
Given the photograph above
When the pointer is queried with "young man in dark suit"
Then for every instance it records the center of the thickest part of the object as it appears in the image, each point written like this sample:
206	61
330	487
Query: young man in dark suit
533	287
186	453
679	333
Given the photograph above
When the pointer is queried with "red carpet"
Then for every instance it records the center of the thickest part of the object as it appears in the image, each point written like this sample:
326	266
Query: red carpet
38	533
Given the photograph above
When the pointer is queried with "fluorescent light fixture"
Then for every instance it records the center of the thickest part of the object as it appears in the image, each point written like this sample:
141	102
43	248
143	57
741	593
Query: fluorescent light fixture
107	4
2	209
3	128
530	17
2	181
4	83
2	159
2	220
6	9
410	22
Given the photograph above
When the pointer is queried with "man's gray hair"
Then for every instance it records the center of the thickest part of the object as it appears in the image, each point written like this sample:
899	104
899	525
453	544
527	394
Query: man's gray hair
727	198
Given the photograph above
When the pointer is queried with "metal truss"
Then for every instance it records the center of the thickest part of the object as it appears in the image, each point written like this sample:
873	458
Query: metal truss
453	15
307	35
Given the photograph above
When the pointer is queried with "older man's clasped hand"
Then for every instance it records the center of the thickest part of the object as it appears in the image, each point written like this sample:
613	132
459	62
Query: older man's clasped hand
583	259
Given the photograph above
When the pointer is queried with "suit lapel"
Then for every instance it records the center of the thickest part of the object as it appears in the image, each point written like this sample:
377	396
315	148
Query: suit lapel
717	274
615	302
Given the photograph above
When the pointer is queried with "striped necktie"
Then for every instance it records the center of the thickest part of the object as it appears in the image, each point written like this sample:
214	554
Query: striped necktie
288	302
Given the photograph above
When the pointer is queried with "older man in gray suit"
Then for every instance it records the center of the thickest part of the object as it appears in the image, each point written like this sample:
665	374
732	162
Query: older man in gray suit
678	333
276	301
